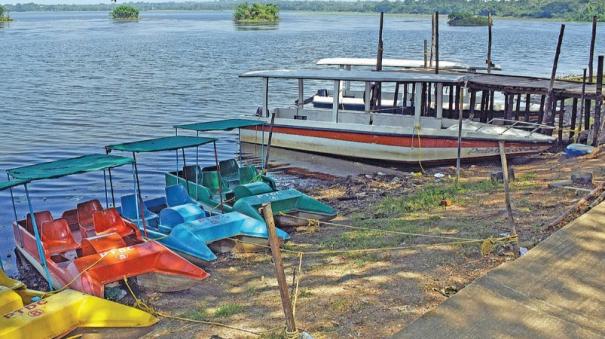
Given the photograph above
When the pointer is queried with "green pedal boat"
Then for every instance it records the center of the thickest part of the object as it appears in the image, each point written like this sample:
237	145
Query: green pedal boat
232	187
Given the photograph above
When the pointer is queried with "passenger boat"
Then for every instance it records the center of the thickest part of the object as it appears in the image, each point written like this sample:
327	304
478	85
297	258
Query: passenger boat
400	64
90	247
26	313
387	128
244	188
176	220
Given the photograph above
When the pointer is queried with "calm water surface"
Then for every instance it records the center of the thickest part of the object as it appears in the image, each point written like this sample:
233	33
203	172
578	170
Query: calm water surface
75	81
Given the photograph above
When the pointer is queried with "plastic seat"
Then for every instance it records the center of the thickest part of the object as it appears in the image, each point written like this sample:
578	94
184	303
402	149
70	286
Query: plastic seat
129	210
192	173
41	218
210	180
57	237
177	195
248	174
110	221
85	211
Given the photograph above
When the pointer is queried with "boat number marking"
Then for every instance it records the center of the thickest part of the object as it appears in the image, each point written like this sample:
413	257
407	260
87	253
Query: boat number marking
33	310
122	255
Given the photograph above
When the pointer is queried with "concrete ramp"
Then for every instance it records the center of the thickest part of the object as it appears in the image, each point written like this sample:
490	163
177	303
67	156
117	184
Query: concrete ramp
557	290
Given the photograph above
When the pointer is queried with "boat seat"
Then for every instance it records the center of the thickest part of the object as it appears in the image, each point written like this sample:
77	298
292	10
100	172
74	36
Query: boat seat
229	168
102	243
191	173
211	180
177	195
248	174
57	237
110	221
172	216
251	189
85	211
41	218
129	210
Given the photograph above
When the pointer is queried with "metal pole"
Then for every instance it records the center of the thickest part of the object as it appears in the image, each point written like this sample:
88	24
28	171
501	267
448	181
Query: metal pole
279	269
184	166
593	38
490	22
220	179
12	198
38	241
137	194
105	184
436	42
460	115
549	99
269	143
582	99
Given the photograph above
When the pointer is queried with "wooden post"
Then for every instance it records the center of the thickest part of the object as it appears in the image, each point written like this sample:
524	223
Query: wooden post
491	105
598	103
582	102
376	98
549	99
432	40
484	102
509	209
490	23
509	107
574	113
269	142
518	106
527	106
587	107
460	116
561	116
436	42
279	268
541	111
426	61
592	44
472	103
450	111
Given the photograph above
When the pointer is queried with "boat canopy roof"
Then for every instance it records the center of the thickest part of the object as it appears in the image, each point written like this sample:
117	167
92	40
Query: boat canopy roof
403	63
356	75
161	144
64	167
11	183
221	125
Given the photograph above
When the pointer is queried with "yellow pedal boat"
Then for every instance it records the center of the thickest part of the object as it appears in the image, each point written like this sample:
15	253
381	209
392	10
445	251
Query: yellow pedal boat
26	313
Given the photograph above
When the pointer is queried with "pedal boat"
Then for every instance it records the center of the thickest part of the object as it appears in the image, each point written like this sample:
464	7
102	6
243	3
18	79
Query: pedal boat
26	313
178	221
90	247
245	188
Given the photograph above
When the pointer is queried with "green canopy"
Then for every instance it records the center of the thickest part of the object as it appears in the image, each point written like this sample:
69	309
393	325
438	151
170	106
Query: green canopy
11	183
63	167
161	144
221	125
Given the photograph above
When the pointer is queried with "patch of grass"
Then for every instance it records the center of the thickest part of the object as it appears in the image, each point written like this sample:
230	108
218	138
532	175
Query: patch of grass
431	195
199	313
227	310
304	293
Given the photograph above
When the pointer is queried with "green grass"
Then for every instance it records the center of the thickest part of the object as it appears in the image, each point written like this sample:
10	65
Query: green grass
199	313
227	310
430	197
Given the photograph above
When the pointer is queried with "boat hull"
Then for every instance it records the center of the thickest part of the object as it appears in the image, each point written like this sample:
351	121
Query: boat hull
150	261
52	316
390	147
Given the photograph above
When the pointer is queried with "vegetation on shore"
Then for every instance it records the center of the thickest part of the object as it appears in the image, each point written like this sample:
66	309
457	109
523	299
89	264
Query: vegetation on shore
578	10
4	17
467	19
256	13
125	12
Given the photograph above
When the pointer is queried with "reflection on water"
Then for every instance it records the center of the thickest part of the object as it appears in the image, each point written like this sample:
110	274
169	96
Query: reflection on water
73	82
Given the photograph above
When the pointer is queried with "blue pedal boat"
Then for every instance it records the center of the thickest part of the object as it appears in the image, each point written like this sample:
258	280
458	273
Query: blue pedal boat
178	221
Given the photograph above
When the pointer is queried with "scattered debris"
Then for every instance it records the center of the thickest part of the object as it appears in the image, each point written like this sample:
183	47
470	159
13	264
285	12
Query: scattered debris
582	178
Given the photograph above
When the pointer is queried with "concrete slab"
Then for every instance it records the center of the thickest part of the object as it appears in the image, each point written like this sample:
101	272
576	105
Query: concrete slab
557	290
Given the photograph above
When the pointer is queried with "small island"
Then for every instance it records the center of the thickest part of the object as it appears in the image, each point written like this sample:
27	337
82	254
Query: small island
4	17
256	14
125	12
467	19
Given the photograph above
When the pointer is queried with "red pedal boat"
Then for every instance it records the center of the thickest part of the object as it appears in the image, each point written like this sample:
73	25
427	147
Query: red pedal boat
91	246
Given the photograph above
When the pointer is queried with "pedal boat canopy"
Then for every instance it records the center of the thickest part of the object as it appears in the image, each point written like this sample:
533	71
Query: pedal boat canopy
221	125
160	144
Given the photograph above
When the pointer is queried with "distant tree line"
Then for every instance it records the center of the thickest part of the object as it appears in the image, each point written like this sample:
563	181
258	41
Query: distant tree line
580	10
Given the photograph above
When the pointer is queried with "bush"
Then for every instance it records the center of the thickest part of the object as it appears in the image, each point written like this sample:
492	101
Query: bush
256	13
125	12
4	14
466	19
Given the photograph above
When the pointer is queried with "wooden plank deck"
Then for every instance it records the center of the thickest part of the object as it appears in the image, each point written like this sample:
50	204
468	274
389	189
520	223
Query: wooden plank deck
557	290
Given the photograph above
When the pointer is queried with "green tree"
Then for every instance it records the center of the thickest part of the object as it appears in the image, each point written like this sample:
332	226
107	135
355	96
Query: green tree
4	14
125	12
256	13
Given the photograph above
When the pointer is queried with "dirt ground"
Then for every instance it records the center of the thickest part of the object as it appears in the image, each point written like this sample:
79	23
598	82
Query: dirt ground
375	294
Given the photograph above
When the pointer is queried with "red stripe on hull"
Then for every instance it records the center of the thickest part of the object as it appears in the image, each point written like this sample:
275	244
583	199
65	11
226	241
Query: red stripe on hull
391	140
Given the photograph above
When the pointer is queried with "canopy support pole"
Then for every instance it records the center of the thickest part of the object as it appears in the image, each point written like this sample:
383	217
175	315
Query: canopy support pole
197	166
105	184
12	199
185	165
38	241
220	179
269	144
137	192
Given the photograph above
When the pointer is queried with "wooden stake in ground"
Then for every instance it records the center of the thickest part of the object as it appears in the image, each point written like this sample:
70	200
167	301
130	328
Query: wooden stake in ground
279	268
509	209
436	42
593	38
598	124
548	114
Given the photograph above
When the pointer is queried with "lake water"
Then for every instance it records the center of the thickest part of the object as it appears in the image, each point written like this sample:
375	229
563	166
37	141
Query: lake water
75	81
